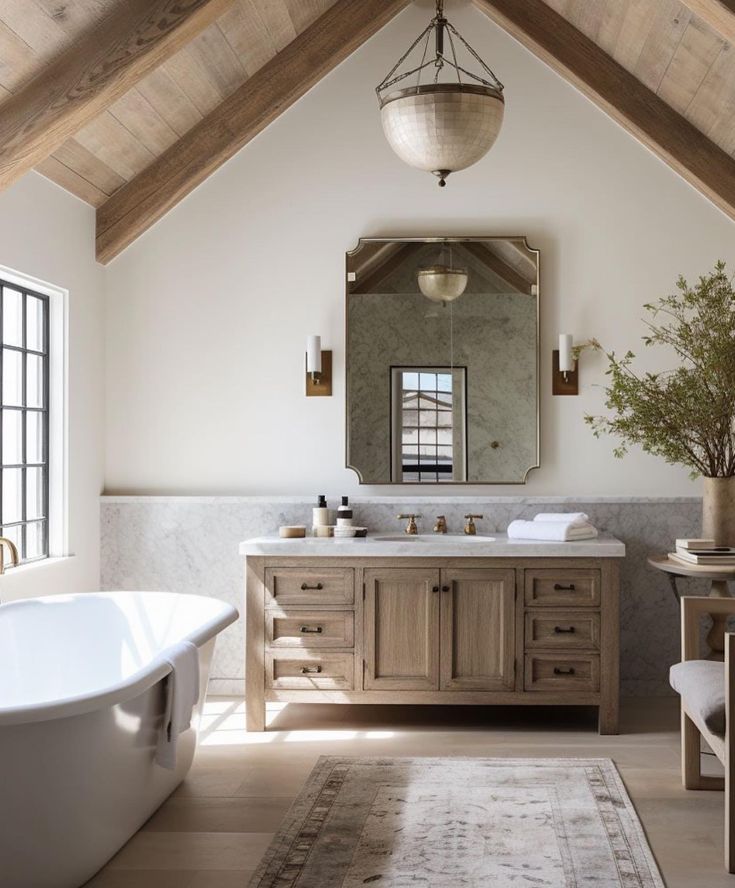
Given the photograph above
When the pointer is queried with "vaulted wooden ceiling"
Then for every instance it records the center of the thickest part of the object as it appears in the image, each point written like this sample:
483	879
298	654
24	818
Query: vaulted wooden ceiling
129	104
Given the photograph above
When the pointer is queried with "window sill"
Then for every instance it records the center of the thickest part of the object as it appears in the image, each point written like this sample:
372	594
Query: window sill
36	565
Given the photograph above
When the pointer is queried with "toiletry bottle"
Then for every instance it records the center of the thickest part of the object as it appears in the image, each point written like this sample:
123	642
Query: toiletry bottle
320	514
344	514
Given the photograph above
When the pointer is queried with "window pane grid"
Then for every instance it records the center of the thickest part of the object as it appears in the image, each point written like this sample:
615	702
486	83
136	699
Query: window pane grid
426	414
24	390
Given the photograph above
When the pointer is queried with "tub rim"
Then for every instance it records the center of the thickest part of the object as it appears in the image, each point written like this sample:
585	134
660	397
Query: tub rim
131	687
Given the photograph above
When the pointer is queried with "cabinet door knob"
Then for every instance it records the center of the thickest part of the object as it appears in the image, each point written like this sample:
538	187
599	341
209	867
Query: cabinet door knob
560	630
305	586
558	671
311	670
314	630
434	588
445	588
558	587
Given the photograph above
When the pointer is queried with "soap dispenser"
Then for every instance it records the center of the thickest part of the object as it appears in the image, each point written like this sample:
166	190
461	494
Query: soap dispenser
344	513
320	515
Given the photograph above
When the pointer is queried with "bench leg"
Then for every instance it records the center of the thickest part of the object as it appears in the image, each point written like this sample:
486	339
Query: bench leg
691	764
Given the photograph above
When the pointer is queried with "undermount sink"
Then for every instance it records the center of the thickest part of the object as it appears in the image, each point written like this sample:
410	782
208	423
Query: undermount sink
432	538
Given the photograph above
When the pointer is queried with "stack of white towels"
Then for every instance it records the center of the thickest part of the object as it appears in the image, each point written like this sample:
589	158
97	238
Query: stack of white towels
558	527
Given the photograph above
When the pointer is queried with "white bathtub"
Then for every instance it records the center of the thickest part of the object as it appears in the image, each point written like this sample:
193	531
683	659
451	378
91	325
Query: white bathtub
81	702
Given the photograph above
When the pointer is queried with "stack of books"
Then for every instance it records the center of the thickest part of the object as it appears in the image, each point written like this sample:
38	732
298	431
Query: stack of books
703	552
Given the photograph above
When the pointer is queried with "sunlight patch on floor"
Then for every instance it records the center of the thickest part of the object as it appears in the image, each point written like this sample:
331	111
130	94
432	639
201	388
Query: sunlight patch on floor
223	724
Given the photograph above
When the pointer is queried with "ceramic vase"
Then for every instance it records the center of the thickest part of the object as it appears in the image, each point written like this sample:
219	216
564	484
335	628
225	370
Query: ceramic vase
718	511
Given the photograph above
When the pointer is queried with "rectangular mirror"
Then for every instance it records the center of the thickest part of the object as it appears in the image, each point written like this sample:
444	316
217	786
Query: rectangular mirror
442	360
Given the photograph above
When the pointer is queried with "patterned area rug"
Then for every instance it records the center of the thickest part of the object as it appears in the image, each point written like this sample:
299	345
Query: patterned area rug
465	822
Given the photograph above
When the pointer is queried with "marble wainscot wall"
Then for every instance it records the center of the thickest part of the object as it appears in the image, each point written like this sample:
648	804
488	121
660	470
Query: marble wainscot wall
190	544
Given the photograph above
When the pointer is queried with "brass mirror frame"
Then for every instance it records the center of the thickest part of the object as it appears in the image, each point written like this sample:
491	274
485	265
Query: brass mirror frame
438	240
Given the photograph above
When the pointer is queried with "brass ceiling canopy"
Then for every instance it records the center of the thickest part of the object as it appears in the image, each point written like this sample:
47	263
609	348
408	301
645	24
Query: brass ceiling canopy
441	126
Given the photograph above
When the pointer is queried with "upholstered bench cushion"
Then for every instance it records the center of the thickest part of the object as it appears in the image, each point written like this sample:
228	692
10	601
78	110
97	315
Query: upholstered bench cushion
701	684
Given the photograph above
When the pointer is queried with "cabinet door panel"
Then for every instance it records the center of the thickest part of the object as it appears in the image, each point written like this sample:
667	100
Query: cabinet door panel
478	630
402	629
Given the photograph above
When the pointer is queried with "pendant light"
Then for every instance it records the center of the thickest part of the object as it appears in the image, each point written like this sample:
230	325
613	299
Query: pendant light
442	282
440	126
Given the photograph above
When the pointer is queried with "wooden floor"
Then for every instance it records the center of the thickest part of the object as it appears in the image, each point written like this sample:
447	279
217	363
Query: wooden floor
213	830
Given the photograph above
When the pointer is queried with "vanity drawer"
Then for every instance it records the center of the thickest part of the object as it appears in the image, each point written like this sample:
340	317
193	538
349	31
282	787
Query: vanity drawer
562	629
563	671
552	588
309	585
311	629
310	670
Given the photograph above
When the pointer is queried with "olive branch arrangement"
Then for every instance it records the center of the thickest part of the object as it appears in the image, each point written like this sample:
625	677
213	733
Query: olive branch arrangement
685	415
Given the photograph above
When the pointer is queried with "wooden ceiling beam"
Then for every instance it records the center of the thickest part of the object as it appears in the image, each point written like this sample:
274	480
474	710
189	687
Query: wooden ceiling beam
718	14
617	92
136	37
258	102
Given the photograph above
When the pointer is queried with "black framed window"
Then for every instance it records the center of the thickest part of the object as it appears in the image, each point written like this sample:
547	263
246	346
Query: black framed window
426	422
24	419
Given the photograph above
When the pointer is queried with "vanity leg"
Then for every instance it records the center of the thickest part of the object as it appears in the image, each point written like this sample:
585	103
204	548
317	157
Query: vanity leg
254	715
254	645
609	709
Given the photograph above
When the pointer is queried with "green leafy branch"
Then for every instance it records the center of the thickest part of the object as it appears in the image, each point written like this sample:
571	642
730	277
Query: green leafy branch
685	415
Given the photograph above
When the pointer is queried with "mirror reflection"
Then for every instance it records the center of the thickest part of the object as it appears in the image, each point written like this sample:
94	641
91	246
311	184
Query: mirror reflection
442	360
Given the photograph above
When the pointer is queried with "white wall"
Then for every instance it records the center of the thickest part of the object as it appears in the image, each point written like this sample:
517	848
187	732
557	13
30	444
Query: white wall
208	312
47	234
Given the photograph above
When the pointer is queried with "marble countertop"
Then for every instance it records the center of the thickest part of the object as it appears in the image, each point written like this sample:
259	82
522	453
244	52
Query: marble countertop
433	546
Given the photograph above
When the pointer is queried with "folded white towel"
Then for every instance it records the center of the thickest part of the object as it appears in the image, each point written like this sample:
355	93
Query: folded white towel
551	531
182	693
575	518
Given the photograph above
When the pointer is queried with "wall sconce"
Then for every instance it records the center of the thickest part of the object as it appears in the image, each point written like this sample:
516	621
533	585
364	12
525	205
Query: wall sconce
318	369
565	364
565	378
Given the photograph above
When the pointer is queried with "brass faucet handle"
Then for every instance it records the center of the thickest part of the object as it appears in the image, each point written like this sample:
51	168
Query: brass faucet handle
411	526
441	524
470	528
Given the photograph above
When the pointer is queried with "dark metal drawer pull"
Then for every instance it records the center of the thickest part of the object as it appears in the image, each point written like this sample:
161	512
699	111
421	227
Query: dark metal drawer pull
558	671
313	630
560	630
305	586
559	588
434	588
311	670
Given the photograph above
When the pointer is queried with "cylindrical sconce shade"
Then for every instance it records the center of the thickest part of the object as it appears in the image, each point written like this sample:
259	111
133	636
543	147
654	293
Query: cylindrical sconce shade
566	362
313	354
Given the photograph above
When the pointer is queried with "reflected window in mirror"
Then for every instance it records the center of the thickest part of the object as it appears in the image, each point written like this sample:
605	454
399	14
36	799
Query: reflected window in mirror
428	424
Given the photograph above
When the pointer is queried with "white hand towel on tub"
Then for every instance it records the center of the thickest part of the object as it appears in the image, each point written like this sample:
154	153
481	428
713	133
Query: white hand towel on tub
182	693
551	531
578	519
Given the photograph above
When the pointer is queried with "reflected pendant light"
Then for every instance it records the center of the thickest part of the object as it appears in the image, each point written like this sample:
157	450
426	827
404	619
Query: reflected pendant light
440	126
442	282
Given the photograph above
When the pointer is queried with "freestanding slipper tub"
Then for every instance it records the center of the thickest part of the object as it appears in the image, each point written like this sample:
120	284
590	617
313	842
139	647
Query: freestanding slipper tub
81	705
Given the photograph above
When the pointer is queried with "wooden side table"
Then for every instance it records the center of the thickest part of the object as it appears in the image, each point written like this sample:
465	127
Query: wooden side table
719	577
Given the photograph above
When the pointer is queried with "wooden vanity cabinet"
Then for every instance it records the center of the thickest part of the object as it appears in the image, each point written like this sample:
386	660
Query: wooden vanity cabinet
432	630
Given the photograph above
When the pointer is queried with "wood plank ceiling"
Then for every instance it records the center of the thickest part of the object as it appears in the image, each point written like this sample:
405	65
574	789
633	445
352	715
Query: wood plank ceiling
680	51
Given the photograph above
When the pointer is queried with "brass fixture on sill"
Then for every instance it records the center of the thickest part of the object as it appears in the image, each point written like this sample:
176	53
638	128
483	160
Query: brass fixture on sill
470	528
441	524
14	556
411	528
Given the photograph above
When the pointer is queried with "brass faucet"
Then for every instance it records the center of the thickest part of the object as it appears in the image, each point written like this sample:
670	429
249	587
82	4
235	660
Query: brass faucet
13	549
411	526
470	528
441	524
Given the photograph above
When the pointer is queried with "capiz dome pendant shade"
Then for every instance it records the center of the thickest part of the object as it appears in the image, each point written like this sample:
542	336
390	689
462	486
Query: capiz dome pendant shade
440	126
441	283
